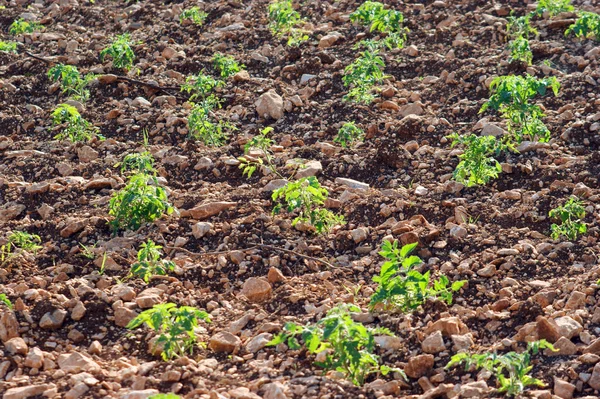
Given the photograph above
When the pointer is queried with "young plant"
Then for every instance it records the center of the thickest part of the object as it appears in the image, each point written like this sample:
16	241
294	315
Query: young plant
120	51
21	26
226	65
4	299
520	51
553	7
87	252
349	134
137	203
520	27
8	47
193	14
348	345
477	163
262	143
138	162
402	287
362	76
510	369
175	326
76	127
203	125
20	240
571	216
284	22
306	196
586	26
200	86
149	262
511	95
388	22
72	83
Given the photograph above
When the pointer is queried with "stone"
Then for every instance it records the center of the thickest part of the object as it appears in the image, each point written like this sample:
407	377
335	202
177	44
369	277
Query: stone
77	391
201	229
564	347
567	327
474	389
275	276
309	168
26	392
78	311
270	105
76	362
434	343
411	109
342	181
205	211
95	348
73	226
458	232
594	380
547	330
448	326
329	40
9	326
360	234
242	393
593	348
275	390
148	298
35	358
489	129
576	300
419	365
140	102
124	315
258	342
487	271
54	320
87	154
461	342
388	342
16	346
256	289
563	389
140	394
224	342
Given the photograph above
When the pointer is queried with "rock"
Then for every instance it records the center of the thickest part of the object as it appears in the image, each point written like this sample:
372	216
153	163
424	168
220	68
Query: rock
148	298
563	389
594	381
547	330
274	185
95	348
35	358
258	342
342	181
567	327
487	271
124	292
141	102
275	390
593	348
411	109
76	362
388	342
576	300
9	326
87	154
241	76
564	347
270	105
419	365
201	229
107	79
489	129
448	326
124	315
224	342
26	392
582	191
205	211
78	311
434	343
77	391
10	212
16	346
475	389
412	51
275	276
204	163
140	394
329	40
310	168
461	342
54	320
458	232
360	234
242	393
256	289
73	226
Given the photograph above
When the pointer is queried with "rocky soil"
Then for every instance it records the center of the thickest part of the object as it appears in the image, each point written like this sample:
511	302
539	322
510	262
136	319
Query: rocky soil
253	271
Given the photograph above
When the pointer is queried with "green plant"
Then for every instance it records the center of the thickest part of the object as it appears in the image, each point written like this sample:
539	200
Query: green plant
21	26
511	95
477	163
262	143
306	195
389	22
120	51
553	7
149	263
520	26
402	287
4	299
87	252
193	14
138	162
72	83
586	26
175	326
348	345
76	127
284	22
520	51
8	47
510	369
203	125
349	134
226	65
19	240
200	85
571	216
362	76
138	202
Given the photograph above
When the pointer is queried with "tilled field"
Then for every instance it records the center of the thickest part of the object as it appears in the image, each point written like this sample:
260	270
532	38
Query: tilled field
252	271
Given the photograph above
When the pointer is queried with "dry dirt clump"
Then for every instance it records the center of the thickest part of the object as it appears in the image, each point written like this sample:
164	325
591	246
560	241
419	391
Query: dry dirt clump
212	242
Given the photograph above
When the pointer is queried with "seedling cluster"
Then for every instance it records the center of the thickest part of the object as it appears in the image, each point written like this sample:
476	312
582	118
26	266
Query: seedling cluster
149	262
8	47
76	128
477	164
120	51
349	134
72	84
193	14
20	26
285	22
385	21
226	65
570	215
19	241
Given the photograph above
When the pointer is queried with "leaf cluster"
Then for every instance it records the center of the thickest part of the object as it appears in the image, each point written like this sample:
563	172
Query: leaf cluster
175	326
20	240
203	125
149	262
571	216
349	345
200	85
520	51
138	162
141	201
284	21
349	134
4	299
553	7
510	369
477	163
261	142
76	127
401	286
8	47
388	22
194	14
306	196
363	75
71	82
226	65
21	26
586	26
120	51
